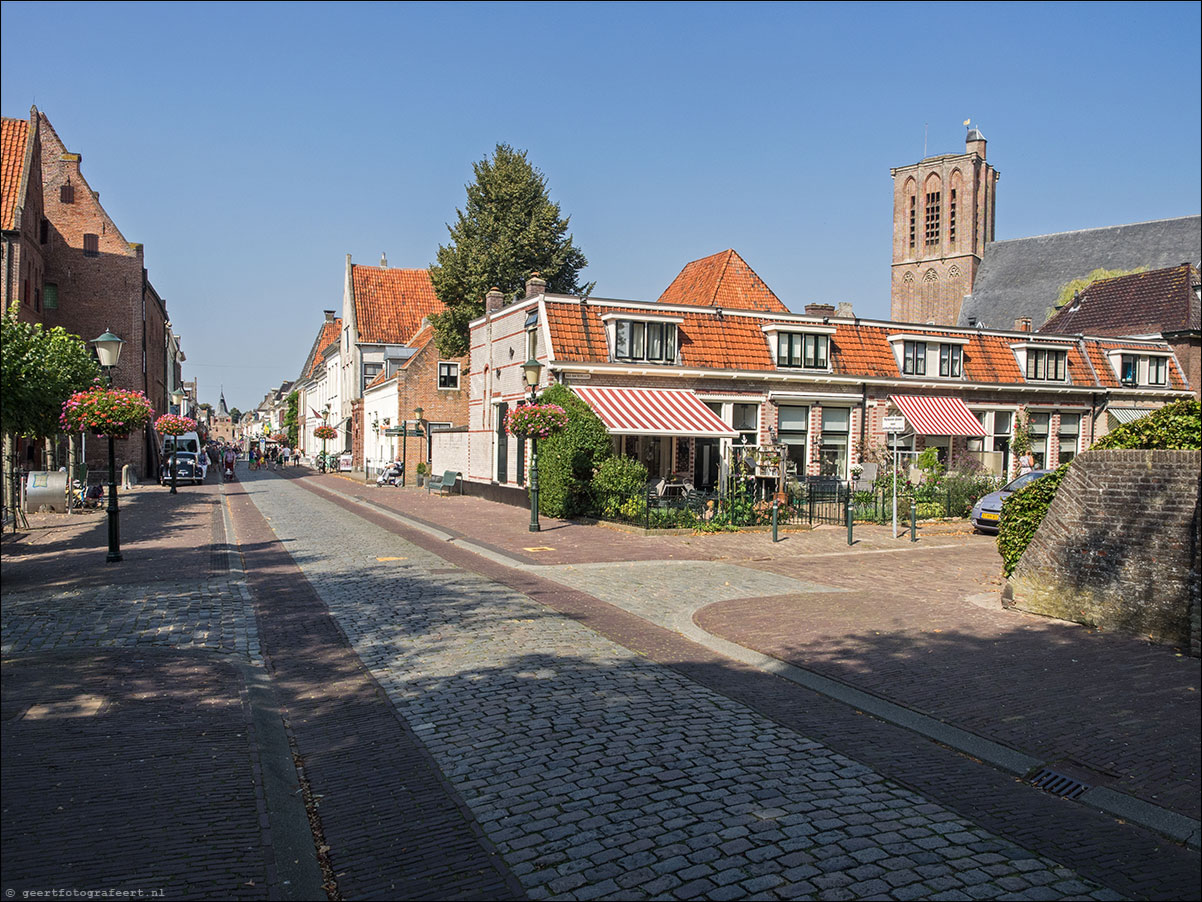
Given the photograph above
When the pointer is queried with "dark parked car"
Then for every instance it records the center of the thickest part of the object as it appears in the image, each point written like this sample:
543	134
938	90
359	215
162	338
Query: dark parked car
987	511
186	469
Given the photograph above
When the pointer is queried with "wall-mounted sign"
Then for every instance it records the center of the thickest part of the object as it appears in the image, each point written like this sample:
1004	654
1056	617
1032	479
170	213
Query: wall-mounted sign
893	424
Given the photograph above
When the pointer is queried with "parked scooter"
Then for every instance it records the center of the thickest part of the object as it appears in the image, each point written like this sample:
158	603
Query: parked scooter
392	474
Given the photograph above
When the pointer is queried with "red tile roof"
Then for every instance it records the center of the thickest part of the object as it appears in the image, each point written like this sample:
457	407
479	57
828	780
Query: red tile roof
708	340
722	280
381	378
390	304
13	139
1144	303
327	336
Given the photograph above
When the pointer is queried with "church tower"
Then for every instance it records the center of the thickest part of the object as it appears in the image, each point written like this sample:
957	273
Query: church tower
943	216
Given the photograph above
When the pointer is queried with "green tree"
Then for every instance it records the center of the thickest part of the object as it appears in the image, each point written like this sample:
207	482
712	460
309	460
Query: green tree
292	419
509	230
39	370
235	414
568	459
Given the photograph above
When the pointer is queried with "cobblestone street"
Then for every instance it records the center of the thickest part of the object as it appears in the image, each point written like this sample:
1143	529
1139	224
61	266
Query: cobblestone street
599	774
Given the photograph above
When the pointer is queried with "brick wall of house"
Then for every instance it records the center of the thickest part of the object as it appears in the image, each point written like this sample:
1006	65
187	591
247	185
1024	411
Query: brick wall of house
417	386
1188	349
1119	547
101	288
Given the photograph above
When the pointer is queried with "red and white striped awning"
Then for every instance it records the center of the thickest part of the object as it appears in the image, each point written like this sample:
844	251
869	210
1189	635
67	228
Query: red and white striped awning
937	416
654	411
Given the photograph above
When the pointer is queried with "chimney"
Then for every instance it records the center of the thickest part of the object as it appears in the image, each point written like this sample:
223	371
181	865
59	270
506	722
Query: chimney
820	309
845	310
493	301
384	260
1022	324
535	285
329	315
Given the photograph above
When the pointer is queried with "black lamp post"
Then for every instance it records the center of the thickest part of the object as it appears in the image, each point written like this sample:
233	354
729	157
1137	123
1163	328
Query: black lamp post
417	429
532	369
108	352
177	398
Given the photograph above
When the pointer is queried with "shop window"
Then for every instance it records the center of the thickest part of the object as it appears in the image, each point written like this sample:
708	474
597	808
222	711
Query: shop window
914	358
448	376
1070	434
832	452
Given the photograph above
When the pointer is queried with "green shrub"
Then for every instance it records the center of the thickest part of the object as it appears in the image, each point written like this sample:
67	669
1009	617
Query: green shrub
1176	426
1022	513
568	459
618	481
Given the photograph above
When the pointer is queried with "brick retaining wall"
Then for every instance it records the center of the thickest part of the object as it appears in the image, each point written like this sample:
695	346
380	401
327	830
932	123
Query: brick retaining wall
1119	547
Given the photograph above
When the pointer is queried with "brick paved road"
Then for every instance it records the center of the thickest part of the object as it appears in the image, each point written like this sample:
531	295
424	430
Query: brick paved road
598	773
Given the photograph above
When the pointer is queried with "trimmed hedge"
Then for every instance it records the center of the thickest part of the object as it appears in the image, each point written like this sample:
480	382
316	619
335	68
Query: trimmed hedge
1174	427
568	459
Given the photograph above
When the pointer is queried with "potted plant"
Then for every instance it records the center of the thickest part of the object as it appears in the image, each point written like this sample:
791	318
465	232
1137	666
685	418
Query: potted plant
422	470
106	412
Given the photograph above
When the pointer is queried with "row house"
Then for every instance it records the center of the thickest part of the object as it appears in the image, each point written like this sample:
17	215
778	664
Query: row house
718	370
66	263
321	373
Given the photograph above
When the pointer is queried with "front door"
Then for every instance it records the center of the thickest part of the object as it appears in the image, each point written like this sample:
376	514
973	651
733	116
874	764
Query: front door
502	444
705	464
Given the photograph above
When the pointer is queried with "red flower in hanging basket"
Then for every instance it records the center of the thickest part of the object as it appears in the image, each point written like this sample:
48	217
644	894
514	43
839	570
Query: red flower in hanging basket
106	411
325	432
174	424
536	420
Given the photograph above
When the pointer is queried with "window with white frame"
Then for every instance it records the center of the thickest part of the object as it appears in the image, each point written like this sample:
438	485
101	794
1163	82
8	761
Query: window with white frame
914	358
448	375
792	429
1158	369
803	349
1037	425
950	360
832	452
650	342
1069	435
1129	369
1047	364
745	420
370	371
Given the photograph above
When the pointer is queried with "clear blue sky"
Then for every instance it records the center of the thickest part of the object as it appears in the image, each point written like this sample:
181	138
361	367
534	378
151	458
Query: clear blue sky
250	147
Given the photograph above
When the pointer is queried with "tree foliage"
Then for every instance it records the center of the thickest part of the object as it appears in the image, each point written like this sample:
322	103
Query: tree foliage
509	230
292	419
235	415
568	459
41	369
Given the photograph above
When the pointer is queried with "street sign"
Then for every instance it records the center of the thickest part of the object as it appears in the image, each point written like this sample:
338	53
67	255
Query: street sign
893	424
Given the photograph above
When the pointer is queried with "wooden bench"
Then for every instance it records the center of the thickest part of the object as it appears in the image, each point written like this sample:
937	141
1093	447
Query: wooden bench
444	483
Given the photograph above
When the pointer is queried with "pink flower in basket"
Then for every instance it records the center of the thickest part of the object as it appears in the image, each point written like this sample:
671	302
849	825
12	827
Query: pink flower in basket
325	432
536	420
106	411
174	424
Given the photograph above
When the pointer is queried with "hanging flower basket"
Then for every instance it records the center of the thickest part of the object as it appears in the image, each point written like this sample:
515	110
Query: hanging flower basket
106	412
325	432
536	420
174	424
279	438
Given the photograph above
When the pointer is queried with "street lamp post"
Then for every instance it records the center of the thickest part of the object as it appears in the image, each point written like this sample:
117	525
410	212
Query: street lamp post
417	433
108	352
532	369
177	398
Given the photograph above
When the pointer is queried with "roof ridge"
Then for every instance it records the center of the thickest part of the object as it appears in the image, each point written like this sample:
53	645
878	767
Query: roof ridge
1125	225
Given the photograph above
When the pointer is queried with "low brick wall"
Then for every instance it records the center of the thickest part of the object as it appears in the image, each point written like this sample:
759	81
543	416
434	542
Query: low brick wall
1119	547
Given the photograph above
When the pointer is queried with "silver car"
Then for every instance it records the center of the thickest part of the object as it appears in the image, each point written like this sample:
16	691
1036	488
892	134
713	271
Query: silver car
987	511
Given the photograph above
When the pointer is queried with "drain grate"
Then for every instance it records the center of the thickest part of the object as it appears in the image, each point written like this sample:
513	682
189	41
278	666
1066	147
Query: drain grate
1058	784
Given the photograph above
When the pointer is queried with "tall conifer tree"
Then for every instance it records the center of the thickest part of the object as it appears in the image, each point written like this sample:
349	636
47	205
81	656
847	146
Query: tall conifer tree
509	230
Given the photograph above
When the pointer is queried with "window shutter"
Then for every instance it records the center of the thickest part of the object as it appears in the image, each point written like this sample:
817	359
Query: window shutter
66	194
91	245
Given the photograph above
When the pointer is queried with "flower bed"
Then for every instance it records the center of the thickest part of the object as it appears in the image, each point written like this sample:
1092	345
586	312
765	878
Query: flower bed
106	412
536	420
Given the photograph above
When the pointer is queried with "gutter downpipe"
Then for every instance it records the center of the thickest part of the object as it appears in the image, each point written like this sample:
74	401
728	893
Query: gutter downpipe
863	416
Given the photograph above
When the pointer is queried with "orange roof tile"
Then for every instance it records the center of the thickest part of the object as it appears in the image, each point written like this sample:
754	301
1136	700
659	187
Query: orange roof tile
381	378
708	340
390	304
722	280
326	337
14	137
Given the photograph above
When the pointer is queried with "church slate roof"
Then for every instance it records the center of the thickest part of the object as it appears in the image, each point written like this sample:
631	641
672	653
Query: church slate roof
1023	276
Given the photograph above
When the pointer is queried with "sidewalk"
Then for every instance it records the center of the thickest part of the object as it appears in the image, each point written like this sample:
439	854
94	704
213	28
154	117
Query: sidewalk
142	750
917	624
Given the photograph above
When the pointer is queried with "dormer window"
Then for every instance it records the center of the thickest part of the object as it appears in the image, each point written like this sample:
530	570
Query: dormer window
914	358
1158	371
950	360
1129	370
1046	364
644	341
800	346
1135	369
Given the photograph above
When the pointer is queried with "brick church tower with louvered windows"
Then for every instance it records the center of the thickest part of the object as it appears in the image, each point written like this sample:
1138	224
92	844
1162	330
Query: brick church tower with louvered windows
943	216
